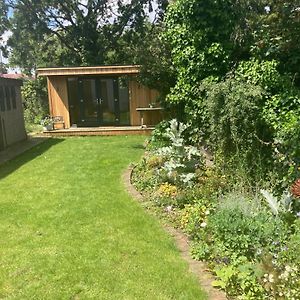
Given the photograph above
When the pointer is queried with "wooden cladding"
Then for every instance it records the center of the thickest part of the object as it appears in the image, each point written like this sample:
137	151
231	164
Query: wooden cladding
141	96
58	98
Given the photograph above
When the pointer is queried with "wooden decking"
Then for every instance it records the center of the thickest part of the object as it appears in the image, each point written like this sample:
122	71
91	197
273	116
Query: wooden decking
87	131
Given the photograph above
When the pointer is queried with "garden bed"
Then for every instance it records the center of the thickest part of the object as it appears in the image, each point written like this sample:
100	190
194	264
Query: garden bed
249	238
200	269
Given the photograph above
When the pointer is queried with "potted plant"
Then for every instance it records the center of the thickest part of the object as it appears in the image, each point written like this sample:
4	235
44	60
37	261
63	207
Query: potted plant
47	123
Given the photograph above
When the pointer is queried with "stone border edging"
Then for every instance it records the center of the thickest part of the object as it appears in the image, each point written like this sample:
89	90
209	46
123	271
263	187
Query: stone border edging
198	268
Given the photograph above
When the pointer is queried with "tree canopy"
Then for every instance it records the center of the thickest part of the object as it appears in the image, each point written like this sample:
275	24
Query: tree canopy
72	32
3	17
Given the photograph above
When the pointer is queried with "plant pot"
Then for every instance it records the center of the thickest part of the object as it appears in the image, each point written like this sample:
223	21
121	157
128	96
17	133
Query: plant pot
48	127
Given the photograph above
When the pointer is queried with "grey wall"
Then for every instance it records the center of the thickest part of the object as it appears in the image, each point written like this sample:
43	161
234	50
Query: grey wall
12	127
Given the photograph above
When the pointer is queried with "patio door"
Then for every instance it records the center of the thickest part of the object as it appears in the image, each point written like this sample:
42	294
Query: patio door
89	102
109	102
98	101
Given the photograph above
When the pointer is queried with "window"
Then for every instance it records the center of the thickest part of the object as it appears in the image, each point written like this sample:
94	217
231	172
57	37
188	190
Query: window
7	94
2	104
13	97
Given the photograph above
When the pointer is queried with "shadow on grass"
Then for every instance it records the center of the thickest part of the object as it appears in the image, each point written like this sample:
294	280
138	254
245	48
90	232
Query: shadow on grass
138	146
20	160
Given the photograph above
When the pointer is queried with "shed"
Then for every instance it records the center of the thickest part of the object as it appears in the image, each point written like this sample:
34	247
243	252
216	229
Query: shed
12	127
100	96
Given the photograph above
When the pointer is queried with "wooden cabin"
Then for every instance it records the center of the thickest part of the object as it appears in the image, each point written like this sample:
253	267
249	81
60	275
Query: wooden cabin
12	127
100	96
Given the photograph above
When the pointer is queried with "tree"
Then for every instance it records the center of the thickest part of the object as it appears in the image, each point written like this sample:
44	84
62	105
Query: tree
3	17
3	28
35	100
83	32
277	35
154	54
200	35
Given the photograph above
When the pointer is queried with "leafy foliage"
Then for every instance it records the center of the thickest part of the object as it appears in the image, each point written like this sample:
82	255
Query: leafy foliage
276	35
79	32
170	167
3	17
249	240
180	160
241	278
154	56
35	97
199	49
234	85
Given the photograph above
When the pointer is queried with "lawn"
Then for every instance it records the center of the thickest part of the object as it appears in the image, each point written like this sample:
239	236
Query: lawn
69	230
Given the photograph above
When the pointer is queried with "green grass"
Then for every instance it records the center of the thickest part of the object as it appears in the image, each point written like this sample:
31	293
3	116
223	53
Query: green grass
69	230
33	128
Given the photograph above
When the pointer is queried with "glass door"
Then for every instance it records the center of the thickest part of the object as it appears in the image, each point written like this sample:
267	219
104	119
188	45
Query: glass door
98	101
109	102
89	102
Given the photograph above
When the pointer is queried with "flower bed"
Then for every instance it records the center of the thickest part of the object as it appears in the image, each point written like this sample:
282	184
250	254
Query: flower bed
250	239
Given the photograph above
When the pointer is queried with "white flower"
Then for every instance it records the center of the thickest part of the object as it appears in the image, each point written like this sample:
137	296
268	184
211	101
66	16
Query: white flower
258	252
288	268
203	224
169	208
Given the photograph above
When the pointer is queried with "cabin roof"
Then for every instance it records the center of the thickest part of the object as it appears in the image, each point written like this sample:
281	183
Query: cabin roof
16	76
4	80
97	70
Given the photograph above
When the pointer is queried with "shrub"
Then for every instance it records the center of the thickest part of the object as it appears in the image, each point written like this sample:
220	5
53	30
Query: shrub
243	228
291	251
236	128
282	113
165	195
288	262
194	217
180	160
35	97
240	279
158	138
264	74
144	176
